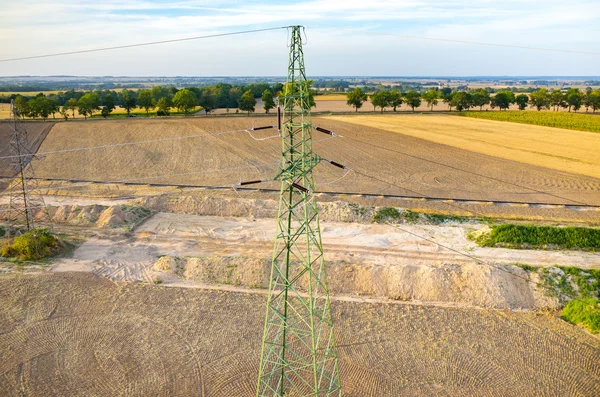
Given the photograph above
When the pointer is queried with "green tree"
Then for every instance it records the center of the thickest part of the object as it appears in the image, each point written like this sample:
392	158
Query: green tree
587	98
540	99
356	98
309	101
208	100
267	98
185	100
431	97
20	106
595	100
108	105
88	103
163	106
247	102
447	98
395	99
128	100
412	99
461	100
574	99
53	107
381	100
480	97
522	100
503	99
159	92
71	105
64	112
557	98
145	100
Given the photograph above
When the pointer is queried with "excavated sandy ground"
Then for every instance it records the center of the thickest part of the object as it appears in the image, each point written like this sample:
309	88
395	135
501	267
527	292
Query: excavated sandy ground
379	261
78	334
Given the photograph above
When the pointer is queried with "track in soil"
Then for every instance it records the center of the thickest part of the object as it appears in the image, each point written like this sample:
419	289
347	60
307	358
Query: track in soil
80	334
403	165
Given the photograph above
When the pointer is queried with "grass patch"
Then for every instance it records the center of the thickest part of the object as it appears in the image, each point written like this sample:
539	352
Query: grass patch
527	268
386	214
571	121
544	237
567	282
441	218
585	312
32	245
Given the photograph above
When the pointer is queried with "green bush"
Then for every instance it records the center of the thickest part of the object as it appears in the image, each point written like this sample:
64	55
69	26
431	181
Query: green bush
2	231
524	236
386	213
584	311
391	213
36	244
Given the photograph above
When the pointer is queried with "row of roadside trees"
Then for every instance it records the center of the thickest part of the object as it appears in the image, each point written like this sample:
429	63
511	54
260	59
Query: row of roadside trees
163	99
572	99
159	99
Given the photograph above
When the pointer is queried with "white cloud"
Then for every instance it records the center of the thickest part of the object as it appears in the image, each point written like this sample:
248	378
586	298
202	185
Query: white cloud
43	26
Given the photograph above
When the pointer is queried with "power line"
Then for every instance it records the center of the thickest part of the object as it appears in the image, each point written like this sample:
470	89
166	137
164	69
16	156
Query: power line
459	252
473	42
141	44
84	183
131	143
465	171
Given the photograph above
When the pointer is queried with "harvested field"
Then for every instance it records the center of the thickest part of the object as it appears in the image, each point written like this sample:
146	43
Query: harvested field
5	111
559	149
79	334
395	163
36	133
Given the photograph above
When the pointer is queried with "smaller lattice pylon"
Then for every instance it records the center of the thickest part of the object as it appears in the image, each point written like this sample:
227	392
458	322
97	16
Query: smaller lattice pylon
25	199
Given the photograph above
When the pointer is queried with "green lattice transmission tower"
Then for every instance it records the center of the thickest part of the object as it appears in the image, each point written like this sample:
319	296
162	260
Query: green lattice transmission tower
298	352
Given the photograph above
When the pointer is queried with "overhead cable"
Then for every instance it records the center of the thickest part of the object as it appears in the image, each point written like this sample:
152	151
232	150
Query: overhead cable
141	44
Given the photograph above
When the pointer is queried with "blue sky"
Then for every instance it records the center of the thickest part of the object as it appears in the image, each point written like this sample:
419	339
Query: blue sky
345	37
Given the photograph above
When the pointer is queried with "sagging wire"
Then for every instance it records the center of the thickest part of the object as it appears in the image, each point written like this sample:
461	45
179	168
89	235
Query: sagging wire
262	128
246	201
88	183
129	143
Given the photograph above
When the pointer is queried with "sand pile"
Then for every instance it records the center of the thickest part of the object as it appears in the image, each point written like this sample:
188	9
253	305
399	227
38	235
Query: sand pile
338	211
471	284
100	216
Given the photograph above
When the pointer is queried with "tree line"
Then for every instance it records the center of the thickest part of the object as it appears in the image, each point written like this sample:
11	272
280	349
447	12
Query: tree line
573	99
243	98
163	99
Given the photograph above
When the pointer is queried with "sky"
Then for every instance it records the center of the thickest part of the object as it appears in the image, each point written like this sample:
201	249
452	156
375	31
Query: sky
343	37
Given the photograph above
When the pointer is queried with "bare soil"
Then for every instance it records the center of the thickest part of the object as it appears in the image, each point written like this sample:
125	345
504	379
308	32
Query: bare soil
396	163
79	334
378	261
36	133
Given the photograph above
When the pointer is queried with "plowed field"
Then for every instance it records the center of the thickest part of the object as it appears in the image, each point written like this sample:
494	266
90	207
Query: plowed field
78	334
395	163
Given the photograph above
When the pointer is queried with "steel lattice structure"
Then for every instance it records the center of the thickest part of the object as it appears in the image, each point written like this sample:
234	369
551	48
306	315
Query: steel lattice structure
25	199
299	355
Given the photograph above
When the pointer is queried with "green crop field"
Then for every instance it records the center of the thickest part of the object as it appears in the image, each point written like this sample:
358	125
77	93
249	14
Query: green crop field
572	121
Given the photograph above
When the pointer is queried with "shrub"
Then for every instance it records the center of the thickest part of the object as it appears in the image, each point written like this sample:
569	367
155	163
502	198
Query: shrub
584	311
386	213
35	244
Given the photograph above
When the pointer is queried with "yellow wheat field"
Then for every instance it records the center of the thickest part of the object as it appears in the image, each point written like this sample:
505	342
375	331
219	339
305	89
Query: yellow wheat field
331	97
556	148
